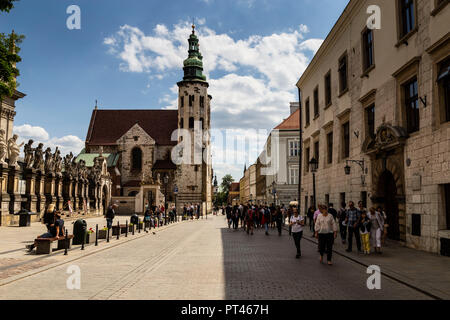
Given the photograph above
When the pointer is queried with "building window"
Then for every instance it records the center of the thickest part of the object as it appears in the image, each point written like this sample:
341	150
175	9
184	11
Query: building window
444	89
316	102
307	112
202	102
136	159
343	80
370	118
368	50
294	148
364	198
412	106
328	89
307	159
327	200
181	123
203	123
407	17
191	123
346	140
293	175
447	204
342	199
181	102
191	101
330	148
316	152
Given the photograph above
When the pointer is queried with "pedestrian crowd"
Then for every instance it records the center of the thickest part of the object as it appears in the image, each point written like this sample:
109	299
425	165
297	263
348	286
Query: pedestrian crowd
367	227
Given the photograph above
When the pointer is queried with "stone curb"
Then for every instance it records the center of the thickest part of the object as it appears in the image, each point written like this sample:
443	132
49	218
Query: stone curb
80	256
393	275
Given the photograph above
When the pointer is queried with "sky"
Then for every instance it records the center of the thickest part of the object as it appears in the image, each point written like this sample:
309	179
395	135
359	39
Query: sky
129	55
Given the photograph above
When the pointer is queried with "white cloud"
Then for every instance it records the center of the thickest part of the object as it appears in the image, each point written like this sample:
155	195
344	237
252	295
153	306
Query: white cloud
66	144
260	71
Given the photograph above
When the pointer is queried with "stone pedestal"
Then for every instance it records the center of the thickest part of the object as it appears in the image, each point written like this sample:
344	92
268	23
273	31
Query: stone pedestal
49	189
13	190
58	192
40	192
30	177
5	198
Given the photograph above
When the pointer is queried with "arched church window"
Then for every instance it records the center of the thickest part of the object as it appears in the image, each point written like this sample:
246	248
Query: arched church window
191	123
136	159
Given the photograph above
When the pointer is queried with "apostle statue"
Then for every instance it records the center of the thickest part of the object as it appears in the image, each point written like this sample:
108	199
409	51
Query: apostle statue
3	147
13	150
39	157
48	164
29	154
57	161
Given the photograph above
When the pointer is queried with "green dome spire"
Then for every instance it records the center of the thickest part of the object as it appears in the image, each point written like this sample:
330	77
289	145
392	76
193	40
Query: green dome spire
193	65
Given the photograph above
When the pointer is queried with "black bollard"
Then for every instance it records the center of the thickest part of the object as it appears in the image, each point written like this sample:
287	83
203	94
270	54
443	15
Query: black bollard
145	225
132	230
96	235
126	227
66	244
118	231
84	239
107	235
139	226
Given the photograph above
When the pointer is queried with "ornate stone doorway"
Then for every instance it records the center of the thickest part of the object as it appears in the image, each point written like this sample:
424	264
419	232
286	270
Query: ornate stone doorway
387	194
386	151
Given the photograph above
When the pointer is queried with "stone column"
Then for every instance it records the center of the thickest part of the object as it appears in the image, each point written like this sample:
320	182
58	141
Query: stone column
30	177
80	196
40	192
75	193
86	195
67	190
58	192
13	190
5	198
49	188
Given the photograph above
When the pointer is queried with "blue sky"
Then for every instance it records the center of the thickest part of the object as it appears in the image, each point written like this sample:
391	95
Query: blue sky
128	54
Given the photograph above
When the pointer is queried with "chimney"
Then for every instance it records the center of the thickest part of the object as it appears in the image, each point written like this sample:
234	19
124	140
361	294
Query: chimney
294	106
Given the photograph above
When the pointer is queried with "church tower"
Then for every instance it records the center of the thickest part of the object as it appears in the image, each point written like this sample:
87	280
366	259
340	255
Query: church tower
194	175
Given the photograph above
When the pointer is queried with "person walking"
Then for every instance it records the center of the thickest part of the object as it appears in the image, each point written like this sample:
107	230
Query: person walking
365	226
325	231
110	214
385	227
332	211
229	210
249	219
296	223
342	216
279	219
310	215
377	229
290	213
352	221
265	212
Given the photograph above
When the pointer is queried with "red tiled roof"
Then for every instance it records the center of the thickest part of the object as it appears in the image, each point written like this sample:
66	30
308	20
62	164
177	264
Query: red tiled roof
107	126
291	123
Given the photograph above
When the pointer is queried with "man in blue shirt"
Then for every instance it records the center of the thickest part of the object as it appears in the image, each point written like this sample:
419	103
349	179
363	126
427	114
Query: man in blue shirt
352	221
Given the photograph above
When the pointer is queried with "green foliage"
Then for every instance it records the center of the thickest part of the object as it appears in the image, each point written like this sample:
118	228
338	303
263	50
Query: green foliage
8	58
222	195
7	5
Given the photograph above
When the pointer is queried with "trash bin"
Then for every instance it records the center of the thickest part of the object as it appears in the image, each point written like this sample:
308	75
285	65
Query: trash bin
79	231
24	218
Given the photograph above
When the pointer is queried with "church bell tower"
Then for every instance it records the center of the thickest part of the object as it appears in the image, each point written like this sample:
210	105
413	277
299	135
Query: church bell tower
194	175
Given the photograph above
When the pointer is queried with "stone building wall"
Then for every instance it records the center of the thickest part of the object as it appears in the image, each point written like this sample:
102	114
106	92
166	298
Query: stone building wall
419	162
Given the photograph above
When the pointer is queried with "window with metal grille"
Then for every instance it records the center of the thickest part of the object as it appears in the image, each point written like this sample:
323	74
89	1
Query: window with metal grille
412	106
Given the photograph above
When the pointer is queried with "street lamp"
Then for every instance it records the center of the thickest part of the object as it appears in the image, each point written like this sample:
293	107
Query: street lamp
166	181
361	163
274	192
314	164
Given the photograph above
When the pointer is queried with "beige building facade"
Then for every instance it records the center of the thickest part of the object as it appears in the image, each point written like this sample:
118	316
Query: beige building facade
377	101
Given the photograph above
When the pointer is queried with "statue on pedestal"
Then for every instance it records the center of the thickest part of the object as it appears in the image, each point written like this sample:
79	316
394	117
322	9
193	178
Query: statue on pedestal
68	163
13	150
39	157
57	162
29	154
3	147
48	160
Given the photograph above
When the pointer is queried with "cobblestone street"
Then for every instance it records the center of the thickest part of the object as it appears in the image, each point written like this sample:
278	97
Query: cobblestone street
203	260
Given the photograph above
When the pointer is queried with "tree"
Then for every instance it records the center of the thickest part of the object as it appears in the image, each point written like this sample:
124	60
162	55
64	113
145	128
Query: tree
8	56
7	5
222	195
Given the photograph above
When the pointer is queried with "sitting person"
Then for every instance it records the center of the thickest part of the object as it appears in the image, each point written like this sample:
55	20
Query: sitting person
56	230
